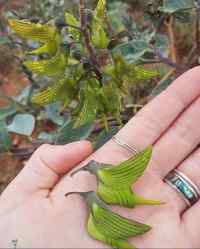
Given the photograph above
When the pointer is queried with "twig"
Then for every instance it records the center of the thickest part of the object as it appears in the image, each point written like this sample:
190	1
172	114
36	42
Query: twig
197	26
168	61
23	152
87	39
150	61
169	26
167	76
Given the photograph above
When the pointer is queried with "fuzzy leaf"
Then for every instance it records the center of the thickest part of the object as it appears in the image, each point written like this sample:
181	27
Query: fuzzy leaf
116	17
67	133
104	137
53	114
24	96
5	140
133	50
171	6
8	111
22	124
46	137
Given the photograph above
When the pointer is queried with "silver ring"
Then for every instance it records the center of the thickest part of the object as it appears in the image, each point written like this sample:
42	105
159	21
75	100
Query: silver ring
184	186
125	145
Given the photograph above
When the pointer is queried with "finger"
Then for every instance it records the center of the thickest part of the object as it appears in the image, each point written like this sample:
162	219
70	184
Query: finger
191	217
190	167
151	122
156	117
179	141
44	169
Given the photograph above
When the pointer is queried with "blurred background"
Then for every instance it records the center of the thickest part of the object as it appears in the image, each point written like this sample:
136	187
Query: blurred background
159	35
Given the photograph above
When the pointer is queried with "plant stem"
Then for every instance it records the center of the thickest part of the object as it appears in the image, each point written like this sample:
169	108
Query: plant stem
167	76
87	40
172	39
197	27
169	62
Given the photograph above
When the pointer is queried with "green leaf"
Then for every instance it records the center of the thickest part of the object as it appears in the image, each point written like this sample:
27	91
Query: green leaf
132	51
68	134
116	17
5	140
172	6
110	97
46	137
22	124
8	111
161	87
4	40
52	113
100	39
50	47
161	42
71	20
23	98
100	9
104	137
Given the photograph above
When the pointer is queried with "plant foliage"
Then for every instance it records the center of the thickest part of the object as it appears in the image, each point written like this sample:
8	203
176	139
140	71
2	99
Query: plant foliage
84	61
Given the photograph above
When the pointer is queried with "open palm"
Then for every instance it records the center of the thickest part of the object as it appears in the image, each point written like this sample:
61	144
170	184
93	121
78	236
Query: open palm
35	213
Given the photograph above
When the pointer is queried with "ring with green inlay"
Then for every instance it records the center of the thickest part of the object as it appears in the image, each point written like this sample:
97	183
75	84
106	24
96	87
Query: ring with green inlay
184	186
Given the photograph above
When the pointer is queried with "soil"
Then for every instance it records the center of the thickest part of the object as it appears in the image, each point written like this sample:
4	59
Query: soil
9	168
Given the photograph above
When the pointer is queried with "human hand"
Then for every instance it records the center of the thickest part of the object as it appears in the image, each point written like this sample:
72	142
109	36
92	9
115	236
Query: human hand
34	210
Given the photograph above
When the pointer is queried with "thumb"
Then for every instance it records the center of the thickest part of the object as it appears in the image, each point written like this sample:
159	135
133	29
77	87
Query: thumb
44	169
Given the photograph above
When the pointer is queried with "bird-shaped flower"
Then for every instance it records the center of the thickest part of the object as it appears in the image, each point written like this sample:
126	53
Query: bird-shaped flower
108	227
45	34
115	182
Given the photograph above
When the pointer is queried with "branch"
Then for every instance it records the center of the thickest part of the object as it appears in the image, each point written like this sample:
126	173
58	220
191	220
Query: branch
173	51
168	61
197	26
87	40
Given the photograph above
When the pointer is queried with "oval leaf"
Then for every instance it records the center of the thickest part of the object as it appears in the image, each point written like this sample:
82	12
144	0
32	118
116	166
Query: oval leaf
22	124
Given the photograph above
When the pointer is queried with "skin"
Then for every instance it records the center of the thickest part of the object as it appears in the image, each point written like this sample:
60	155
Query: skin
35	212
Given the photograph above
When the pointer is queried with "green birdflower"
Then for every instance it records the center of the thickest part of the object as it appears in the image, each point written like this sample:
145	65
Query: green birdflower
108	227
45	34
115	182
